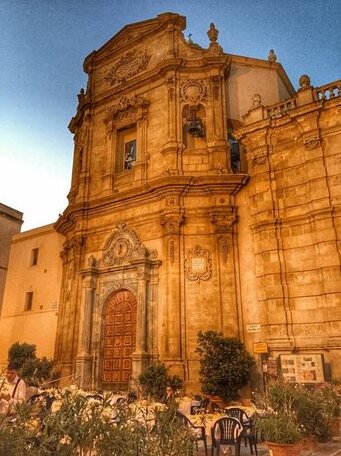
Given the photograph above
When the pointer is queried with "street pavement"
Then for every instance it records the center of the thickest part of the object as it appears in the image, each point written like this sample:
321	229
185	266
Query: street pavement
332	448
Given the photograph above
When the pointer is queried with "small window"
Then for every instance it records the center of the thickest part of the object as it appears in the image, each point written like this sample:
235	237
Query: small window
28	301
129	154
126	152
34	257
235	153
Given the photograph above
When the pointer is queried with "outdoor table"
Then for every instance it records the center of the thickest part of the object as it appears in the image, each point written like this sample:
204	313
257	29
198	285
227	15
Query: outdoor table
185	404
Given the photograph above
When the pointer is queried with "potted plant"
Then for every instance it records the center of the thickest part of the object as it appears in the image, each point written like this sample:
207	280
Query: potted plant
330	399
281	432
278	423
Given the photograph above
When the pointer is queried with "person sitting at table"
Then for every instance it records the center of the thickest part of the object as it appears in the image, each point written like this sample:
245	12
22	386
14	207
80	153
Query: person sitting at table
13	390
168	396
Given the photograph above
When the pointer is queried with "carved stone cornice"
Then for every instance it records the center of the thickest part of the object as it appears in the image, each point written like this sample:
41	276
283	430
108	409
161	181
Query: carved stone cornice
128	66
223	222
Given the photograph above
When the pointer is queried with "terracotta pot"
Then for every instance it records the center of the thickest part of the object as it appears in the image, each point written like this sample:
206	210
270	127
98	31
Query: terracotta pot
284	449
336	427
309	444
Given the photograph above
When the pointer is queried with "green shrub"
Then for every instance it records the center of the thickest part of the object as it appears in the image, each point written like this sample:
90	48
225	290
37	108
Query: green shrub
34	370
311	408
225	365
155	379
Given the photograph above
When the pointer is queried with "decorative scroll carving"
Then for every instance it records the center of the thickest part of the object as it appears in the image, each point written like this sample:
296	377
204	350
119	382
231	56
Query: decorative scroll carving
71	252
193	91
124	247
127	66
215	84
225	243
309	128
312	143
171	223
92	262
170	201
171	250
258	157
127	109
198	264
223	222
170	84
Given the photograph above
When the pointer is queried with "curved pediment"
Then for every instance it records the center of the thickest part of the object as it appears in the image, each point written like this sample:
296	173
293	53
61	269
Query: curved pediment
133	33
123	247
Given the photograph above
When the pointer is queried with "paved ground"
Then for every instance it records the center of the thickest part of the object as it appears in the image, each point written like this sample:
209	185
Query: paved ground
332	448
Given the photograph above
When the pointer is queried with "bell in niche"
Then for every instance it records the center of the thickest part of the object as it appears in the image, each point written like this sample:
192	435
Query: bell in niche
195	127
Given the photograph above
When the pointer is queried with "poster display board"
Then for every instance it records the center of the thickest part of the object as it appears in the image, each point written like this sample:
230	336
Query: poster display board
302	368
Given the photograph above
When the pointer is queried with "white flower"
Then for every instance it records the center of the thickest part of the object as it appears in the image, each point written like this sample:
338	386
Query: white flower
66	440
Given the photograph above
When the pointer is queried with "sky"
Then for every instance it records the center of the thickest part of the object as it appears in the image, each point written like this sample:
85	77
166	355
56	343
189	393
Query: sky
44	44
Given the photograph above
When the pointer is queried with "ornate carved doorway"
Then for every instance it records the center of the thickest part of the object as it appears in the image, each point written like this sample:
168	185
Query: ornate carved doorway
119	340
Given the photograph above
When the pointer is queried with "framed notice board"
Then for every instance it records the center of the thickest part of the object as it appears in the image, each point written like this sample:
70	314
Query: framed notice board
302	368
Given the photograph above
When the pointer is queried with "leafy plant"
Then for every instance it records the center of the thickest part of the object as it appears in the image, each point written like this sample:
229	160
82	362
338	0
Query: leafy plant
34	370
20	353
155	379
307	410
79	424
225	365
280	428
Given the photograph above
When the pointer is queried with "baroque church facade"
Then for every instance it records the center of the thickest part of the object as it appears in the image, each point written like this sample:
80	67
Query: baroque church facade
205	195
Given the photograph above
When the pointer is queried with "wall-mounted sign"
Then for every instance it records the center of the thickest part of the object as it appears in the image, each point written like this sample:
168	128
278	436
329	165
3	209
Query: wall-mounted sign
303	368
272	368
260	347
253	328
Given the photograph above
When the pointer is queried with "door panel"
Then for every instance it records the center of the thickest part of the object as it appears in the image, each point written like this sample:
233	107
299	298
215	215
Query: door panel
119	340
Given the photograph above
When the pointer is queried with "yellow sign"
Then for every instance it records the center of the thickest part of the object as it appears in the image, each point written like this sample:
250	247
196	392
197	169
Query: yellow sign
260	347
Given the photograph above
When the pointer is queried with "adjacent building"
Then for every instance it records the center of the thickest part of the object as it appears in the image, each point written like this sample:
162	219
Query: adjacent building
10	224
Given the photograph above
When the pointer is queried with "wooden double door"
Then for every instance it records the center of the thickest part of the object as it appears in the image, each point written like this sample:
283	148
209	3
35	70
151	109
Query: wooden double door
119	340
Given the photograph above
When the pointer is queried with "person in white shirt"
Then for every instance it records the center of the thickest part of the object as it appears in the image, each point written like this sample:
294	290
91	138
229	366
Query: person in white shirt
13	391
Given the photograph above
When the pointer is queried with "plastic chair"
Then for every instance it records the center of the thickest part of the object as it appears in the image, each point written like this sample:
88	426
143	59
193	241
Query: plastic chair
96	396
226	431
198	431
42	403
249	432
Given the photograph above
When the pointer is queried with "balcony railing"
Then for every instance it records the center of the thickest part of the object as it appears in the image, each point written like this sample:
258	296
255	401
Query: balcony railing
279	109
328	91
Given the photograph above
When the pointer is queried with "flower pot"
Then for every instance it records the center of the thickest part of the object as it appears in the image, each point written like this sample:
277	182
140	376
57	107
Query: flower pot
284	449
336	427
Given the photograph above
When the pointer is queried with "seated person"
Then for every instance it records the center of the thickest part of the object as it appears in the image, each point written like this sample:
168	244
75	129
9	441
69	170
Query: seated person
13	390
168	397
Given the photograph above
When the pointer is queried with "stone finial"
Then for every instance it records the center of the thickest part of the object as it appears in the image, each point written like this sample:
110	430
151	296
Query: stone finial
272	57
256	100
213	33
304	81
214	48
